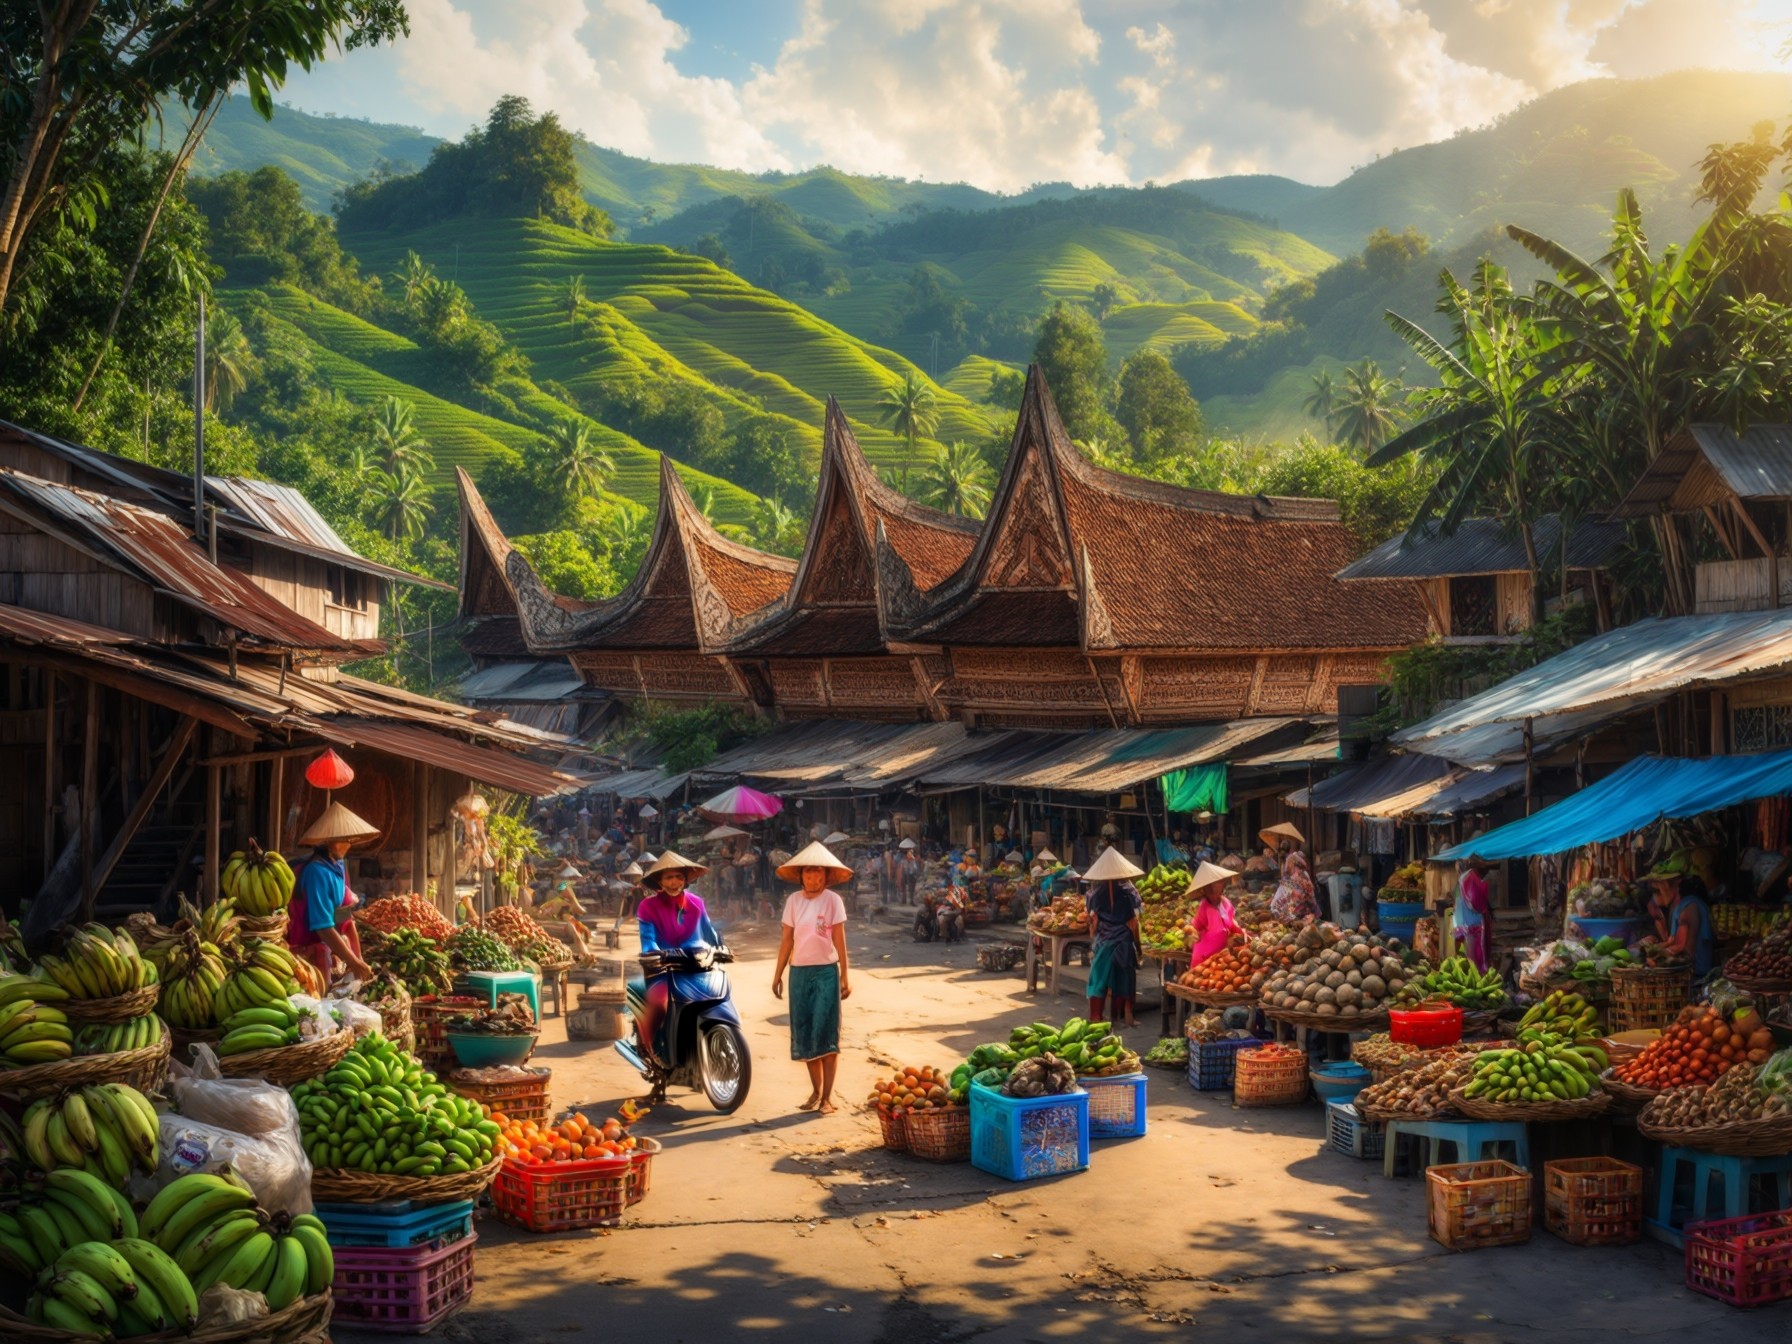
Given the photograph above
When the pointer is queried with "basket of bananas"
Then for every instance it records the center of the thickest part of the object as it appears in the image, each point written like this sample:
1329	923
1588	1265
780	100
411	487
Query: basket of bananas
106	977
260	882
264	1034
42	1052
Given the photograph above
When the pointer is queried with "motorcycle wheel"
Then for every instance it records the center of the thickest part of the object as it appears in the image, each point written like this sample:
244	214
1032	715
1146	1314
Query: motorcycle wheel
725	1066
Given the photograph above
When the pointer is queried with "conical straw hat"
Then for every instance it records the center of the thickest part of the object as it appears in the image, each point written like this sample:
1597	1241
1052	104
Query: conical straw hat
632	871
338	823
1206	875
1282	830
1045	856
816	855
667	862
1112	866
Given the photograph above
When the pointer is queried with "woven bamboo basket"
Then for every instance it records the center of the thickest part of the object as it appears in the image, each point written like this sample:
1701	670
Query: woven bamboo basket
1645	997
1581	1108
118	1008
286	1065
893	1122
306	1321
1271	1081
1211	998
343	1185
394	1008
1750	985
1294	1017
1771	1137
1627	1098
186	1037
1480	1019
271	927
939	1135
145	1069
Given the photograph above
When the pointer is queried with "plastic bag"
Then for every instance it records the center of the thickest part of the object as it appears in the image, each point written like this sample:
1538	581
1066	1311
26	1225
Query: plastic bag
246	1122
357	1017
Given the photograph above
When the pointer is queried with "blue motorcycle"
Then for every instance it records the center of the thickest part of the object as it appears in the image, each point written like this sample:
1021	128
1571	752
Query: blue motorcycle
696	1040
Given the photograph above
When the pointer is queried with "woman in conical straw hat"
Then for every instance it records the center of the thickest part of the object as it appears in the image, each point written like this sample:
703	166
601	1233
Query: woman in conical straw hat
1214	921
1114	905
318	925
1296	899
814	948
671	917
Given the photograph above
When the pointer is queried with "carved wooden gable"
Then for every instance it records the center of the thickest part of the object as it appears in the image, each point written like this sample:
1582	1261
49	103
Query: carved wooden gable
1030	549
840	570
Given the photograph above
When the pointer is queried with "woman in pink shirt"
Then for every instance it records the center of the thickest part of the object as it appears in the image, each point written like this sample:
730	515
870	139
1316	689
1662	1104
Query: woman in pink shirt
814	948
1214	921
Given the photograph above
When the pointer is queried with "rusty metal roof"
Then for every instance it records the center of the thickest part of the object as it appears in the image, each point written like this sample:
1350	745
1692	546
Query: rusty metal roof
1702	460
283	517
1485	546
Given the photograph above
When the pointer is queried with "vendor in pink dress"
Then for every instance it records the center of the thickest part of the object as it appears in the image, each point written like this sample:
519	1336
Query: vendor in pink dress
1214	921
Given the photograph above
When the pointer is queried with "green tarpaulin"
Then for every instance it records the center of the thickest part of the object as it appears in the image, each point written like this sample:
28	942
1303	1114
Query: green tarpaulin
1201	788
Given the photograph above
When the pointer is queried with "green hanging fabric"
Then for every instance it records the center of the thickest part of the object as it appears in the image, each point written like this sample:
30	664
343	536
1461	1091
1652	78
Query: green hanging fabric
1201	788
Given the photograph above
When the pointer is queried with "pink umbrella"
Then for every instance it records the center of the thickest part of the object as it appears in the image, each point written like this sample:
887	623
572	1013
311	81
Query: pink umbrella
741	804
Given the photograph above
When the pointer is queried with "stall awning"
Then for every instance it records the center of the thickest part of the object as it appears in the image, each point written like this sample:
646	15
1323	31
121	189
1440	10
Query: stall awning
1644	792
1489	744
649	782
848	755
483	765
1357	790
1106	761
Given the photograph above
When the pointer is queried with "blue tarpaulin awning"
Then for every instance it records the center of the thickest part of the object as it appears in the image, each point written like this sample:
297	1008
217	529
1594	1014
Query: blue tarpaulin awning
1644	792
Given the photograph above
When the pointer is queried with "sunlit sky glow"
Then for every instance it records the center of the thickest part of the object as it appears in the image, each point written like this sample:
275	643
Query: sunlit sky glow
1003	93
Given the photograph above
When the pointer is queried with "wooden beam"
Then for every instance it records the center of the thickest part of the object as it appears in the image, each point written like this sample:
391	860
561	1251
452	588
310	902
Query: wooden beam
214	823
276	787
52	758
248	757
90	794
420	829
146	801
1723	533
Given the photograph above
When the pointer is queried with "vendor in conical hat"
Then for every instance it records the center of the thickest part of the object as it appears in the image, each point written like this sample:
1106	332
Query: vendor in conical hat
1114	907
814	948
1296	899
318	925
1214	921
672	917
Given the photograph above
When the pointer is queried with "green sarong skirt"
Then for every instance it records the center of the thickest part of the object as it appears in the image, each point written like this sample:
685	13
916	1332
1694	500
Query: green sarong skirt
814	1011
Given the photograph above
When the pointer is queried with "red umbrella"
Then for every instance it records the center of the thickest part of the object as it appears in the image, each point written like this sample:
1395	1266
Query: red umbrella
741	804
329	771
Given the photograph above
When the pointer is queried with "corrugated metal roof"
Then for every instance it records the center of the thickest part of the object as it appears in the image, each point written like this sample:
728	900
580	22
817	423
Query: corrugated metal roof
1102	762
488	765
848	754
1650	658
1485	546
1756	464
648	782
283	517
1469	791
531	682
1323	747
1489	744
1386	777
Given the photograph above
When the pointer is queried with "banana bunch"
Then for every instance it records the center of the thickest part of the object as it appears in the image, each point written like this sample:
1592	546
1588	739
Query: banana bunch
266	1026
1458	981
1546	1068
259	881
110	1038
102	1130
33	1030
195	973
118	1289
212	1228
98	963
1564	1014
59	1211
262	975
217	924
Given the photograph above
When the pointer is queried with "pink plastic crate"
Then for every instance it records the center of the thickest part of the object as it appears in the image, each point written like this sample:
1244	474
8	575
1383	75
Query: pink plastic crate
403	1291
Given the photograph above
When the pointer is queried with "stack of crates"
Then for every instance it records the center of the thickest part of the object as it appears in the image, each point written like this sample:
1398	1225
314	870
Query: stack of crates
401	1268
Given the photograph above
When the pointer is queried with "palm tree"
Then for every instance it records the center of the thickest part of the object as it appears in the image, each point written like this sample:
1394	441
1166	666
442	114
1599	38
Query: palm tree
403	504
413	276
441	305
1369	409
626	538
958	481
1322	402
910	410
573	292
399	443
576	465
230	362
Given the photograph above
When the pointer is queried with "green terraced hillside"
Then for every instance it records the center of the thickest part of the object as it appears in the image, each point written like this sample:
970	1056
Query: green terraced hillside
664	314
1164	326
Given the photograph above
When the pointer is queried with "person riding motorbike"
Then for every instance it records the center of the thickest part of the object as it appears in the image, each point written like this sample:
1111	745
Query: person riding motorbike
673	918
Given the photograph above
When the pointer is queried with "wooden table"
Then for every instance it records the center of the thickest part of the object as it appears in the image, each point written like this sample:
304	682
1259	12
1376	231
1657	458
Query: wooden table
1056	948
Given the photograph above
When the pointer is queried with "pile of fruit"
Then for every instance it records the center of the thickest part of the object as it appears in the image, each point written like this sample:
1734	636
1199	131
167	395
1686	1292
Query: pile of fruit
1088	1047
1166	882
1383	1053
258	880
1407	883
1768	958
519	932
1605	898
33	1030
262	977
511	1017
1701	1046
1544	1067
472	949
1169	1052
1739	1095
1243	965
1562	1013
574	1139
104	1130
98	963
392	913
1460	983
1746	921
1065	915
192	974
379	1110
1042	1076
1163	922
1211	1025
1346	975
923	1089
1422	1090
111	1038
412	958
266	1026
1606	955
1252	908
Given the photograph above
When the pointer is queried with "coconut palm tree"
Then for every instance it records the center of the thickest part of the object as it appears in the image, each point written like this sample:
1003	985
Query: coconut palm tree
230	362
576	465
1322	402
403	504
400	445
910	409
573	295
957	481
1369	408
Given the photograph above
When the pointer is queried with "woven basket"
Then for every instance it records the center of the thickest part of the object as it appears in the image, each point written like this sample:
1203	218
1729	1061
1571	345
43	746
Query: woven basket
1294	1017
1480	1019
395	1015
343	1185
118	1008
287	1065
1740	1138
1269	1082
1747	983
939	1135
306	1321
893	1122
145	1069
1645	997
1212	998
515	1098
271	927
429	1043
1581	1108
1627	1098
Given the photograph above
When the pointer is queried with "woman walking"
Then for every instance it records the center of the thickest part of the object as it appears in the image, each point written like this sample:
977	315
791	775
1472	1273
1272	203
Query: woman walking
1113	903
814	948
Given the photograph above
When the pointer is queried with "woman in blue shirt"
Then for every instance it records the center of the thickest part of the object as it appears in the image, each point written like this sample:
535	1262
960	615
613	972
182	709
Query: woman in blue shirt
318	925
1683	915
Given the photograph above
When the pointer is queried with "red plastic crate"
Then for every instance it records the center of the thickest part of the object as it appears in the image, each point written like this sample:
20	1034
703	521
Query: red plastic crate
563	1196
1746	1262
402	1291
1428	1027
640	1169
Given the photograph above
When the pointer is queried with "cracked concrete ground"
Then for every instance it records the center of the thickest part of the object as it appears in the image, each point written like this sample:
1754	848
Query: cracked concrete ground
771	1223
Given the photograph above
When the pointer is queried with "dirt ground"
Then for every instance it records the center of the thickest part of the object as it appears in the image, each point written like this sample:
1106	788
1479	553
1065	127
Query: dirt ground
774	1224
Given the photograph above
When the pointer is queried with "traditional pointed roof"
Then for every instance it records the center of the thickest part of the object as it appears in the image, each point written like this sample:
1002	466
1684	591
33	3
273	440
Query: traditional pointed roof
693	584
832	606
1076	555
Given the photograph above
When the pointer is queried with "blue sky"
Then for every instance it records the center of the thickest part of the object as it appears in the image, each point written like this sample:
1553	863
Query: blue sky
1004	93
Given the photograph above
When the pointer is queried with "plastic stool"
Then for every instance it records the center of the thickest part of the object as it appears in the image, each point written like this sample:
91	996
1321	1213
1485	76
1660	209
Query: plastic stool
1737	1176
489	984
1474	1140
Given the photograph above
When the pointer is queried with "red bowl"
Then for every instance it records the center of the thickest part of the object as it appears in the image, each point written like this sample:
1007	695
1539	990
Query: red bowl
1429	1028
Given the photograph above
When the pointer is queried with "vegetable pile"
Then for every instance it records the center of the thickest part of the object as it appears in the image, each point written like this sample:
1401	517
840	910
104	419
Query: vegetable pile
1751	1092
1163	923
1212	1025
518	931
1605	898
1042	1076
391	913
413	959
474	949
380	1110
1421	1091
1347	975
1089	1048
1699	1048
1243	965
1544	1067
1067	914
1458	982
1170	1051
1382	1051
913	1089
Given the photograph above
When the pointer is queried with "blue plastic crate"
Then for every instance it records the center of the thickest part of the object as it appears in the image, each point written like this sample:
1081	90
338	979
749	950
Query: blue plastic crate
1348	1133
1211	1064
397	1226
1024	1138
1116	1105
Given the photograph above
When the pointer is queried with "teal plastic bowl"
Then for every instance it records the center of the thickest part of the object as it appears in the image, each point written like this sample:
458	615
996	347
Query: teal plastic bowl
481	1049
1339	1080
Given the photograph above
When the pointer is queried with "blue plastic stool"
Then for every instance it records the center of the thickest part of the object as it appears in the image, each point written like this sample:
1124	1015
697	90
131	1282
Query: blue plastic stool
1737	1177
489	984
1474	1141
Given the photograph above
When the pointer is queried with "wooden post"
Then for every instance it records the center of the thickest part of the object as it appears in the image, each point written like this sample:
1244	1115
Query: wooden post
214	824
146	800
420	832
90	791
276	784
52	755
